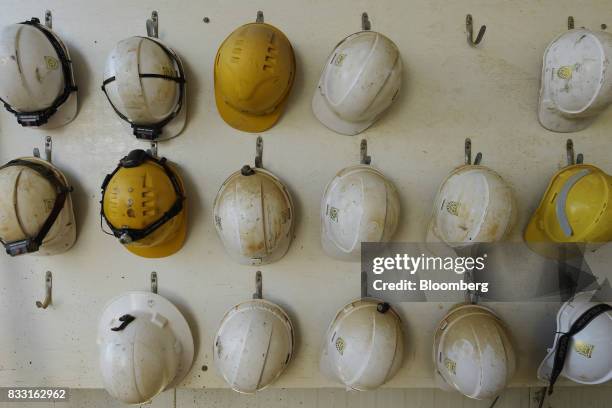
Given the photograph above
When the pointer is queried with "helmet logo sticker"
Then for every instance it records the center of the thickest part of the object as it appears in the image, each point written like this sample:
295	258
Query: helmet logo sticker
52	63
584	349
451	366
332	213
339	59
565	72
452	207
218	222
340	344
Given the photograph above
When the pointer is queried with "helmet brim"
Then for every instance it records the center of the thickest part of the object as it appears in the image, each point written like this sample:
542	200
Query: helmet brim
331	120
168	248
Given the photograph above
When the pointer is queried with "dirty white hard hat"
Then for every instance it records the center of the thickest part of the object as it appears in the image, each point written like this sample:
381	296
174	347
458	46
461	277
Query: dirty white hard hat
576	83
364	345
145	346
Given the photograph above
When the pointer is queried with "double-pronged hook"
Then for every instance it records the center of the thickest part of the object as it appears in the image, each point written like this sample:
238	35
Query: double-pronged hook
468	153
569	148
469	26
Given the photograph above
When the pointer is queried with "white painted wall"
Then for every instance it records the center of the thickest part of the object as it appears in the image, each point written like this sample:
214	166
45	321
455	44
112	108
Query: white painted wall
451	92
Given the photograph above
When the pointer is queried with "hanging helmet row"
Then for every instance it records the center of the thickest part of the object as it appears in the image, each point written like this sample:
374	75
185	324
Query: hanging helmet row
254	69
144	205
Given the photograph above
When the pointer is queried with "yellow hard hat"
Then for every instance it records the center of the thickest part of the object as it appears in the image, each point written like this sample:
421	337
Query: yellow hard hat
143	205
576	208
254	72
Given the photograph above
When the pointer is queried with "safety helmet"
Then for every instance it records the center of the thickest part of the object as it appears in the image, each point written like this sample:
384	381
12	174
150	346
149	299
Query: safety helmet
576	82
145	346
144	82
36	214
574	209
473	353
364	345
254	344
474	204
254	72
582	349
359	205
360	80
254	215
36	75
143	204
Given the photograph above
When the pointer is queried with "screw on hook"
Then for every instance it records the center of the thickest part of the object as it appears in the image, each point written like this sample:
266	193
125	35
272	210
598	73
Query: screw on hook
570	23
365	22
569	148
153	25
48	292
154	282
365	159
260	17
468	150
469	26
48	148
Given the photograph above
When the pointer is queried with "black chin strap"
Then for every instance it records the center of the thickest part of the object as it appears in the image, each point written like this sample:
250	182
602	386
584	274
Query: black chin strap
152	132
134	159
40	117
564	340
32	244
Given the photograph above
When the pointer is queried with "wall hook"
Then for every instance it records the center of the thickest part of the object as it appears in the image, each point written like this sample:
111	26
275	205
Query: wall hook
48	148
469	26
258	286
153	25
468	153
259	153
365	22
570	23
154	282
48	19
260	17
569	148
153	149
48	292
365	159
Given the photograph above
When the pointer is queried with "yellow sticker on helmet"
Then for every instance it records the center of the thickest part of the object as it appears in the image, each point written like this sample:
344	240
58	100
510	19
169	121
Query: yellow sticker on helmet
584	349
52	63
565	72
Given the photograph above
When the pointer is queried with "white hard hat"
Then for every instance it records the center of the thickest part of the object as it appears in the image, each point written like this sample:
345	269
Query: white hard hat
36	214
36	76
473	353
474	204
144	82
359	205
145	346
253	346
582	349
254	216
364	345
576	82
359	82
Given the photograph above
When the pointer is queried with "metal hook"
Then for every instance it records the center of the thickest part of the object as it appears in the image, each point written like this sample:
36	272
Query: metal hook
258	286
569	148
365	159
48	19
48	148
259	153
153	149
570	23
48	292
468	153
365	22
154	282
153	25
36	153
260	17
469	26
